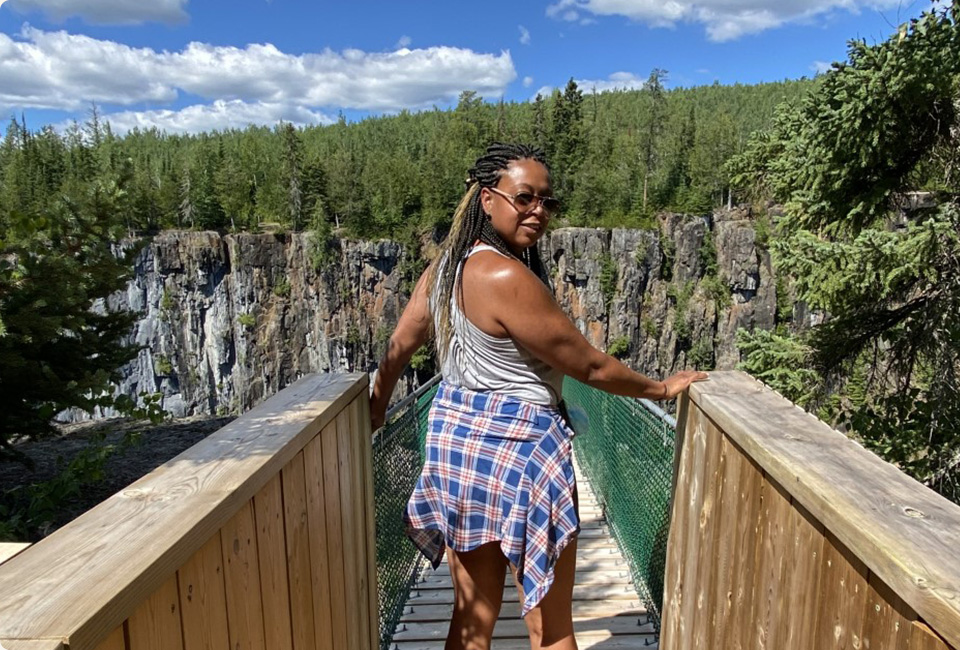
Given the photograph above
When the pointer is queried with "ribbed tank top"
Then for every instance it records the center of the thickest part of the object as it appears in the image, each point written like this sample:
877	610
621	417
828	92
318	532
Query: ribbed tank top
481	362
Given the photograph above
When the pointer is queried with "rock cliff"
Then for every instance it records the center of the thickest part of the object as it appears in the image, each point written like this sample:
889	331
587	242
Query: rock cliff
227	320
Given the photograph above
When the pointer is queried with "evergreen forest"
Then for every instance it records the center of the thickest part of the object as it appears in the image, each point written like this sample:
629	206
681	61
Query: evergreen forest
844	155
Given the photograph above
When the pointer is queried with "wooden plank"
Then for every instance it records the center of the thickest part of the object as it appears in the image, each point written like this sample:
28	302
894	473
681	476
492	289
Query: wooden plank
580	592
9	549
886	618
272	559
722	579
242	581
801	588
317	526
597	577
585	641
913	532
767	613
364	438
32	644
746	533
155	624
517	629
115	641
843	595
331	493
298	554
679	531
700	608
203	600
580	609
349	516
77	585
923	638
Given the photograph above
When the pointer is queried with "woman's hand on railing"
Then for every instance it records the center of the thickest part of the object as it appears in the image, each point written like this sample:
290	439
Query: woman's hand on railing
676	384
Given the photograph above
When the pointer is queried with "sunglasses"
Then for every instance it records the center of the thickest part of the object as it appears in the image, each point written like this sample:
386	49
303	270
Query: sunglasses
526	202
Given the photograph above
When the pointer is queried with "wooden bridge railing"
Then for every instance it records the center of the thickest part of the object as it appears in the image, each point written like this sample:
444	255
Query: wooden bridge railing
259	536
786	534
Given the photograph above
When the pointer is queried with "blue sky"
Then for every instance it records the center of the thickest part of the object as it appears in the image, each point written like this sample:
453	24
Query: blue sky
191	66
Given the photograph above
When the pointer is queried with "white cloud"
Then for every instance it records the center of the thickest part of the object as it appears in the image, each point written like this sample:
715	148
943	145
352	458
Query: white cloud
108	12
616	81
527	82
404	42
220	115
724	20
820	67
58	70
524	35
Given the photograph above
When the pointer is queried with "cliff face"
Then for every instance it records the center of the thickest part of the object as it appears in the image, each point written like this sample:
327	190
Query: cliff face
229	320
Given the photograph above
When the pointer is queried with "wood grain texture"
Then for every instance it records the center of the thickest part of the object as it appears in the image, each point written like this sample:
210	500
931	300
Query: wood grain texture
317	528
242	581
203	600
334	528
155	625
769	595
700	607
83	581
116	640
272	559
923	638
365	437
298	554
349	518
843	596
903	532
32	644
801	586
680	529
886	618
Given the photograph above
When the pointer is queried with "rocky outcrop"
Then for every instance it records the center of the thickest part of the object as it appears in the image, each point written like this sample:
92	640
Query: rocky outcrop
227	320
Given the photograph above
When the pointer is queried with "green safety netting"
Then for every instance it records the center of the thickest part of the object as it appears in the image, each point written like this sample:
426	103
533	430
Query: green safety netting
624	446
397	461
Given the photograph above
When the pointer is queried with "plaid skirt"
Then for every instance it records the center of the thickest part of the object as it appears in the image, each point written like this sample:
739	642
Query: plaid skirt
497	469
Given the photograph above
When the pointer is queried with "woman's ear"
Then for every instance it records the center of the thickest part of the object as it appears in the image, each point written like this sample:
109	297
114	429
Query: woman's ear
486	199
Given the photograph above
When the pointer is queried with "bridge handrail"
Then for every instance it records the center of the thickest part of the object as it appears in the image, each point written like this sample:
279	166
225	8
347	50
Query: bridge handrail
889	531
79	585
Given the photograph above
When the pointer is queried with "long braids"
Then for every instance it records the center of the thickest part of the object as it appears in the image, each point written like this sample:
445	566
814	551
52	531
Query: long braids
471	223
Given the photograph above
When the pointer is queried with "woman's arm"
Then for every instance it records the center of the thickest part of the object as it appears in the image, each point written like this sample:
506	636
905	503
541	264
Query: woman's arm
412	331
528	313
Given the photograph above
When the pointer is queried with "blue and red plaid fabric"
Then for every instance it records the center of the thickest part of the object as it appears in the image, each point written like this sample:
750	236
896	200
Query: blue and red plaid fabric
497	469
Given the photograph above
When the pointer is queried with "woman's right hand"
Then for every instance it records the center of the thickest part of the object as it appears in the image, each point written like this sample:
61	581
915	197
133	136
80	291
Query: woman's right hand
679	382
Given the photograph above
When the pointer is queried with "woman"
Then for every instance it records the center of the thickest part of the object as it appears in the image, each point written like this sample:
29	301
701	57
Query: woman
497	488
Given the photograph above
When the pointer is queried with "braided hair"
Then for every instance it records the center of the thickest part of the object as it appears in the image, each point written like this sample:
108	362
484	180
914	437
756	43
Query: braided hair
471	223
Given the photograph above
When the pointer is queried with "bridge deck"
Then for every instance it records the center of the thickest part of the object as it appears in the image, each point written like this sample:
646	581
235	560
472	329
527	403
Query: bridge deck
606	611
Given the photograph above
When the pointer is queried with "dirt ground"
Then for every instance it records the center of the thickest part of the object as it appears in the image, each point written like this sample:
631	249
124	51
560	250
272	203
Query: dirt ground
158	443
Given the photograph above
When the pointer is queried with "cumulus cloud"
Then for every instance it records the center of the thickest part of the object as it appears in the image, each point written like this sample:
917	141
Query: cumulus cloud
527	82
220	115
524	35
724	20
58	70
404	42
616	81
107	12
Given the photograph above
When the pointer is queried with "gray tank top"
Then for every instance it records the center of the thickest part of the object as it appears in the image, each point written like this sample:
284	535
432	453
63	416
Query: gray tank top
481	362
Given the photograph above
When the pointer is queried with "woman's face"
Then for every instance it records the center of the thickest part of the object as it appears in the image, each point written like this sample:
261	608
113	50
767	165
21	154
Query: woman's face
520	226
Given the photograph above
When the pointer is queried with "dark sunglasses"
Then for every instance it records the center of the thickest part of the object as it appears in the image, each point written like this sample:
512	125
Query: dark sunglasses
526	202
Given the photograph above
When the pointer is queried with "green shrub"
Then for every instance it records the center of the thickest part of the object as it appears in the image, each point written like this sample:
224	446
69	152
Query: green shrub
247	320
619	347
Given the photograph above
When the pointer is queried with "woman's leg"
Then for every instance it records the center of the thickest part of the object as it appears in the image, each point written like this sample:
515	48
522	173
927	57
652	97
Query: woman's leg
550	624
478	577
